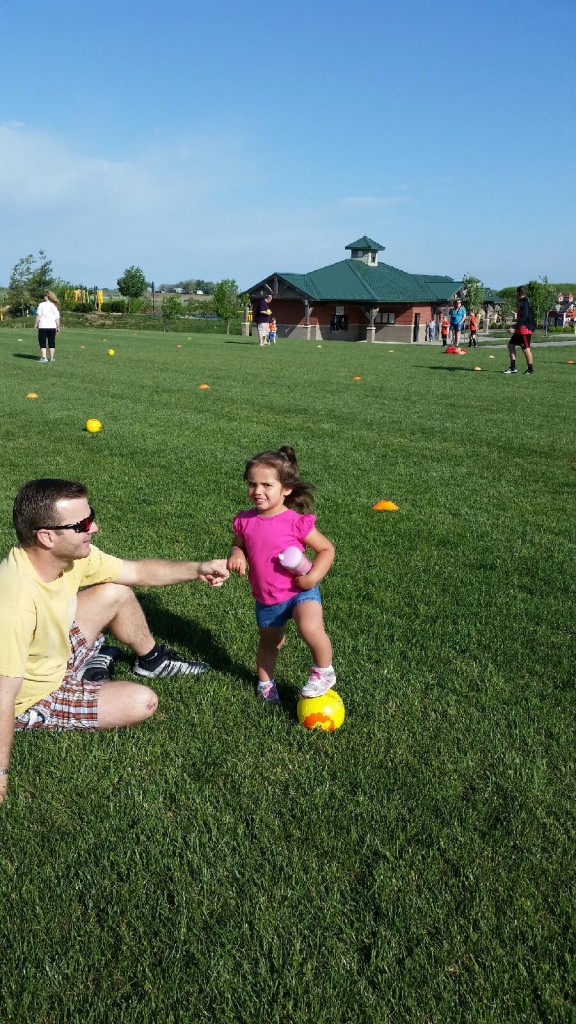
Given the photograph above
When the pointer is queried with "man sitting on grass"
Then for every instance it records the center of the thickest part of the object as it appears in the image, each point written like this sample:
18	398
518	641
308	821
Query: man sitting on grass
57	594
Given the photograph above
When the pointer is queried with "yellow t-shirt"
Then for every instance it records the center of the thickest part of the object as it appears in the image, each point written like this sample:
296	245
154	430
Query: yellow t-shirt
35	619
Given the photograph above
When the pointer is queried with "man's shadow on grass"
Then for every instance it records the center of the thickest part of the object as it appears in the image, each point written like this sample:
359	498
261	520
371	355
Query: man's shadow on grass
457	369
188	634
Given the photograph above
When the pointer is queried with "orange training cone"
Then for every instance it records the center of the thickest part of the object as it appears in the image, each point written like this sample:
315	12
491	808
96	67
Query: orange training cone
385	506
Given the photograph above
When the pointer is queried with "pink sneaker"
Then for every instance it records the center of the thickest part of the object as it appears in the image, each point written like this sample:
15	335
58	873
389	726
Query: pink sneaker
268	692
319	682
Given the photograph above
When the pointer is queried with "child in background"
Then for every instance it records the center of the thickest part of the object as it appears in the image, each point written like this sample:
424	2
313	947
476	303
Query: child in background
272	332
444	330
473	330
281	518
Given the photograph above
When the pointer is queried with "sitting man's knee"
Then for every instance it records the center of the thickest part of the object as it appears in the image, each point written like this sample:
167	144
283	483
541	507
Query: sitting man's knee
147	702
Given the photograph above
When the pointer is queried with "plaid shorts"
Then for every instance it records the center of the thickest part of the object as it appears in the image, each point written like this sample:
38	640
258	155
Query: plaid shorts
74	705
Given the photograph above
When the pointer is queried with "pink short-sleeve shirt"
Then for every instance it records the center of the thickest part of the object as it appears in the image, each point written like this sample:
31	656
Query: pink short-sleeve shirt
264	538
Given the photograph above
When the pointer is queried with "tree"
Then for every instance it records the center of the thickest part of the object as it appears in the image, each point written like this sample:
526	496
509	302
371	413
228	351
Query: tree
207	287
508	309
29	283
171	309
41	279
543	297
475	291
227	302
132	284
188	287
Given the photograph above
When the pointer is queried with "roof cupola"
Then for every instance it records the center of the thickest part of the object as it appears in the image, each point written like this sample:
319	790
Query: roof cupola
366	250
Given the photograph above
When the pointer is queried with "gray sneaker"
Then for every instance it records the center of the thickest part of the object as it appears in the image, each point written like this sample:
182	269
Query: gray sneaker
511	369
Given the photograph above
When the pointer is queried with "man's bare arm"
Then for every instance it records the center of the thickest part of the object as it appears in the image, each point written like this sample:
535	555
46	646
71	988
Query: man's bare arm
161	572
9	688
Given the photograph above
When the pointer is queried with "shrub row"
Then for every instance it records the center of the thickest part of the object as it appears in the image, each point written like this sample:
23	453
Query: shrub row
147	322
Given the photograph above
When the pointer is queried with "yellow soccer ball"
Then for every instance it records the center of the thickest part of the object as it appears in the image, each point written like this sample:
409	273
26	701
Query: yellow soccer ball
93	426
110	351
324	713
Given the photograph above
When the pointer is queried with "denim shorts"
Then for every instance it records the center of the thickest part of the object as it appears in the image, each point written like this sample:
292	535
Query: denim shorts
277	615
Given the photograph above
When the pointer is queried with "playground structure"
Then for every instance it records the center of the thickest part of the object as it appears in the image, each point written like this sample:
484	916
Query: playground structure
88	296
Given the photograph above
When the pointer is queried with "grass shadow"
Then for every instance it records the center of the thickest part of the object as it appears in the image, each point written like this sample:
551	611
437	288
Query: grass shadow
182	632
457	369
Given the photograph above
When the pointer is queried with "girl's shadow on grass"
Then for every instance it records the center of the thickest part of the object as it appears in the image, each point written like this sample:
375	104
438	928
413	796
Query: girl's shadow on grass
24	355
187	634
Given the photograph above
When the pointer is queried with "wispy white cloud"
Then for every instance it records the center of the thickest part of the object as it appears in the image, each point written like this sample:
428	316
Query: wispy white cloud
163	207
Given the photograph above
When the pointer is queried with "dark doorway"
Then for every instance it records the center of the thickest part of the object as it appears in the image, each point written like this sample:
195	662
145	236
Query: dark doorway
416	330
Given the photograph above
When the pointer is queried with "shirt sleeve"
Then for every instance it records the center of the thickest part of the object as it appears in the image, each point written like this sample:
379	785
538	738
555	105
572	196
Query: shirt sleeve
238	525
100	568
304	525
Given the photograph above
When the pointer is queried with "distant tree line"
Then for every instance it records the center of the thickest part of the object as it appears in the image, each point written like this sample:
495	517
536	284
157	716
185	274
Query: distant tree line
32	276
191	287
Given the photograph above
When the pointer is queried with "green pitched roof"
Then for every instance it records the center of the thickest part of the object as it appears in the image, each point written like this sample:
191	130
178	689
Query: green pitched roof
438	278
365	243
354	281
444	288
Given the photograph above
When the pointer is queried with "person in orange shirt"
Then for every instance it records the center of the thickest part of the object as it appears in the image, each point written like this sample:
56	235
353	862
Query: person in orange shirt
473	328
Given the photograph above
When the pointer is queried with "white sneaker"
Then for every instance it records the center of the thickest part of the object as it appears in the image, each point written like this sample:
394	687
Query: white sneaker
319	682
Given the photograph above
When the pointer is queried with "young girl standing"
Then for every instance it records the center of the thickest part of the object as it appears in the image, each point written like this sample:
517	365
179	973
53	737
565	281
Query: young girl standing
282	518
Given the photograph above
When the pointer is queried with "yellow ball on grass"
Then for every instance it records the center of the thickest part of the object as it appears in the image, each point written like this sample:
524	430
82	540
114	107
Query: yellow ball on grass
325	713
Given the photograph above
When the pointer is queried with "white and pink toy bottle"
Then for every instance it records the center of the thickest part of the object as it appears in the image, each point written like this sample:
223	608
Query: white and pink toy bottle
295	561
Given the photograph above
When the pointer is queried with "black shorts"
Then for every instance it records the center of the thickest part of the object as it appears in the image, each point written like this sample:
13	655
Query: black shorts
47	336
521	339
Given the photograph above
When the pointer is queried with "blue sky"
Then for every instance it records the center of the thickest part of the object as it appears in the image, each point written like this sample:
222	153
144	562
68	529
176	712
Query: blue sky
232	139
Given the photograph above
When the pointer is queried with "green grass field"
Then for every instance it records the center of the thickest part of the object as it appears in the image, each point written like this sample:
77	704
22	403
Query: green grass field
219	865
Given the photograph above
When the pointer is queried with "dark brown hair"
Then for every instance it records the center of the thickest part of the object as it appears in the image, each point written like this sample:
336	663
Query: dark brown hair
35	505
283	461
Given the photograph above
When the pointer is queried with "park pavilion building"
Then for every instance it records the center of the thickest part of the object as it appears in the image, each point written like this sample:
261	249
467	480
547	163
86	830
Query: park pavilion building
358	299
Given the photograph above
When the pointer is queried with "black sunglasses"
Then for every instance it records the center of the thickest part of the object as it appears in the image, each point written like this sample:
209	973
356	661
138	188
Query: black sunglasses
81	527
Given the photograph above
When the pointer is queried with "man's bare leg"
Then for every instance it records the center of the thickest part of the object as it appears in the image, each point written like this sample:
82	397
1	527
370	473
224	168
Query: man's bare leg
124	703
116	608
